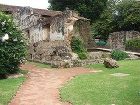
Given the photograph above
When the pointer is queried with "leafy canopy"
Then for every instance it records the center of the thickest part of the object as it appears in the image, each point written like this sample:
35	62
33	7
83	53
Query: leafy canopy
118	16
90	9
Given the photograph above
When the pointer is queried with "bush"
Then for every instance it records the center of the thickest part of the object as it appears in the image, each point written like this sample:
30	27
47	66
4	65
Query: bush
133	44
12	45
118	55
101	43
77	46
82	55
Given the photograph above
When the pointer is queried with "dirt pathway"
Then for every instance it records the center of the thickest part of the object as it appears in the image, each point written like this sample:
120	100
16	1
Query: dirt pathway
42	85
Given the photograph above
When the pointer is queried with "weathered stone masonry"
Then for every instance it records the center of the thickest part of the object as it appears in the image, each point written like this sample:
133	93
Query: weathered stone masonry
49	32
117	39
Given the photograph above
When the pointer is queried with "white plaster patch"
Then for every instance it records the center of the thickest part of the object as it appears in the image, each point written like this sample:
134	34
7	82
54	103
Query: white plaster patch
36	34
120	74
70	28
56	36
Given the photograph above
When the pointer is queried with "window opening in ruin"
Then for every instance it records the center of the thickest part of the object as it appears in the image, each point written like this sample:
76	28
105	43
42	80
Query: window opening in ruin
31	56
40	56
7	12
28	33
46	29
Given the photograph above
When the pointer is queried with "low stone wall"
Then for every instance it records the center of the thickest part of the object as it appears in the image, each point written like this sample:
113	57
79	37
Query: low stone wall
133	49
74	63
89	62
117	39
96	57
68	60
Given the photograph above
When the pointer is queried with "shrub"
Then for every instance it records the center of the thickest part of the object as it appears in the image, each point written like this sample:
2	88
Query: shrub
82	55
118	55
12	45
101	43
133	44
78	47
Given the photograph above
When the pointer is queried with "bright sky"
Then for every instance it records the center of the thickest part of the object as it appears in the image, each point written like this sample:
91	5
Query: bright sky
42	4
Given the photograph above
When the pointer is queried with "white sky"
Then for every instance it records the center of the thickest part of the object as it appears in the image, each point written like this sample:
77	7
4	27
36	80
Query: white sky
42	4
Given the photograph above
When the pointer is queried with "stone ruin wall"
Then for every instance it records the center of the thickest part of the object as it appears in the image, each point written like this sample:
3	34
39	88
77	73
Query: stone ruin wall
82	29
50	49
57	28
51	38
57	48
132	35
51	42
68	24
117	39
30	24
44	51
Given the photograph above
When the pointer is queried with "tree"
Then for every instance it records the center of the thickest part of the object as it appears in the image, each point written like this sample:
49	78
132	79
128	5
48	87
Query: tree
90	9
118	16
105	24
128	15
12	45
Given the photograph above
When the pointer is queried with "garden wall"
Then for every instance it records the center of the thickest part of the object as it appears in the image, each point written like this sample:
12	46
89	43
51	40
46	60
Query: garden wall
117	40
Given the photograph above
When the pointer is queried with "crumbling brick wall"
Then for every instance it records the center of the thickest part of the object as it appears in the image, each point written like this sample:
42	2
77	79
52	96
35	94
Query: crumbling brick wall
117	39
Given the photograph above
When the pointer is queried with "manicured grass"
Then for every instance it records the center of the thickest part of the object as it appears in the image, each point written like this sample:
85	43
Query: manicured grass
41	65
103	88
8	88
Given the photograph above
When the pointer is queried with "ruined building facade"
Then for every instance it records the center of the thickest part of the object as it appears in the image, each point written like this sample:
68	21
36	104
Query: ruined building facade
49	33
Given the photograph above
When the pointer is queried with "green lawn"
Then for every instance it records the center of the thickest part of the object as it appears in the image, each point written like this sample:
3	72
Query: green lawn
8	88
103	88
41	65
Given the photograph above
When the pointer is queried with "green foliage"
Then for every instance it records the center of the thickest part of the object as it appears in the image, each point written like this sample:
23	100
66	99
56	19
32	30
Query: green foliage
101	43
128	16
82	55
101	29
12	45
90	9
105	24
78	47
118	16
133	43
119	55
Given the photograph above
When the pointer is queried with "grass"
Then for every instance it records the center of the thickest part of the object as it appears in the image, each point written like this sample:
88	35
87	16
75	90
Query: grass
8	88
103	88
24	72
41	65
